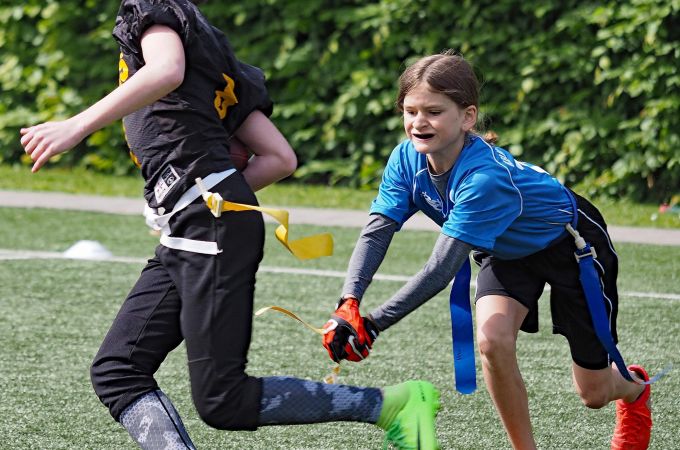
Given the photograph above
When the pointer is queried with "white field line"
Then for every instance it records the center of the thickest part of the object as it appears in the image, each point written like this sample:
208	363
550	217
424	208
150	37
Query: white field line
6	254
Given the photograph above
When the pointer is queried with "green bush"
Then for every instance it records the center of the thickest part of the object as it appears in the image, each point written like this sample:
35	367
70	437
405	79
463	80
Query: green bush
58	57
588	90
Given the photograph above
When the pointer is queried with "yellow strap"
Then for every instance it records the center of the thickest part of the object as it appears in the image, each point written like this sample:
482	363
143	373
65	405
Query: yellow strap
261	311
309	247
332	377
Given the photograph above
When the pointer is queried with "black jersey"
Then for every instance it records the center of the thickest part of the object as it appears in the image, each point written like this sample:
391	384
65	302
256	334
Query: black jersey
184	134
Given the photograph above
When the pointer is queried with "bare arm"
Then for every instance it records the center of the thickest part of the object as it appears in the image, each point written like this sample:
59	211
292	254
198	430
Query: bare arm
273	158
163	72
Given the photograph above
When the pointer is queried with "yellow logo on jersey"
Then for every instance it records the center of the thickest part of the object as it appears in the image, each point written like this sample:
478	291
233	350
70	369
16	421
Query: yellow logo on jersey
134	159
123	71
225	98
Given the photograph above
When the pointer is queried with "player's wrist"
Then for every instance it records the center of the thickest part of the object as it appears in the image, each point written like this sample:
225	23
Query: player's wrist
82	125
344	297
371	322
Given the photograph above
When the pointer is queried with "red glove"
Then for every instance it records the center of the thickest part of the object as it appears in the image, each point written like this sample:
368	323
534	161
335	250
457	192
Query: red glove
348	335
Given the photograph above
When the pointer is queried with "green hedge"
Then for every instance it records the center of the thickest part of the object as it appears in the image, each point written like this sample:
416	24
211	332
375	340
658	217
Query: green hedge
57	58
589	90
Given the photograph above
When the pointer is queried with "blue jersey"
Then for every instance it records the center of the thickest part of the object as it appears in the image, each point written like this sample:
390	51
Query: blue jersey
495	203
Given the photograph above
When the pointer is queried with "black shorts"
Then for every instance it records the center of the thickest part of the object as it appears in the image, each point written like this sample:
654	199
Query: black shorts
524	280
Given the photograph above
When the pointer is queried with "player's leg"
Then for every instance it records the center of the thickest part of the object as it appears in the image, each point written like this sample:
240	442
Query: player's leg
596	382
216	322
217	305
599	387
633	403
498	322
408	415
507	301
405	411
154	423
633	429
145	330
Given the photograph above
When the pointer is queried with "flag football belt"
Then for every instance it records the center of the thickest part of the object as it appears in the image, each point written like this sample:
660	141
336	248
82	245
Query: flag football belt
161	222
461	315
592	288
306	248
461	331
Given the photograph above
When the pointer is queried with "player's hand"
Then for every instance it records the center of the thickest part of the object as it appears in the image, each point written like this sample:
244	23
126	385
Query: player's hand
348	335
42	142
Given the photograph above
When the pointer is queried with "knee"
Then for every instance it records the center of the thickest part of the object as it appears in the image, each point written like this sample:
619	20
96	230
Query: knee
108	375
495	346
236	407
594	397
226	416
96	378
596	388
117	385
215	417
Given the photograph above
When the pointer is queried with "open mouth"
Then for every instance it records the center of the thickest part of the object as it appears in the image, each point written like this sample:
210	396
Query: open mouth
423	136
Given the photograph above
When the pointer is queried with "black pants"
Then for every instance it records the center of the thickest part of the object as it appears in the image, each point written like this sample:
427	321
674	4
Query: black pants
205	300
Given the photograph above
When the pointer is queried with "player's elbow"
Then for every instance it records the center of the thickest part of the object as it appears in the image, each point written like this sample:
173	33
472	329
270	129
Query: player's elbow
166	75
173	76
288	163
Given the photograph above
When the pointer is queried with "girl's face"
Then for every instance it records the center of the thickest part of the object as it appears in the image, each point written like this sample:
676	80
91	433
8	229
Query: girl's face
436	125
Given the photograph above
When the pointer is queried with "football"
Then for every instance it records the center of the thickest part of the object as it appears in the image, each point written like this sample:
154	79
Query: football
239	153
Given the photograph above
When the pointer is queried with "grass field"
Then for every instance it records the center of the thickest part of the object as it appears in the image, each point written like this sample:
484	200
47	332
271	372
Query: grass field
55	312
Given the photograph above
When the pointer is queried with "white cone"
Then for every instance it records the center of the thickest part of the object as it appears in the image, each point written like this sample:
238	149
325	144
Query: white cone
87	250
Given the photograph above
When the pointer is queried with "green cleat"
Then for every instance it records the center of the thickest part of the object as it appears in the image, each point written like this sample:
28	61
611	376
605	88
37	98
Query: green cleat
412	427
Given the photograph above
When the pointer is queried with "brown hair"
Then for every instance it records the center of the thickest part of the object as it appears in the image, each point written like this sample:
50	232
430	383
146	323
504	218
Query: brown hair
447	73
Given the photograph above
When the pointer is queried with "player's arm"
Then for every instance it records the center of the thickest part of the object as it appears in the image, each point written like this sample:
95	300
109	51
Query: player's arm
351	336
446	259
162	73
346	322
368	254
273	157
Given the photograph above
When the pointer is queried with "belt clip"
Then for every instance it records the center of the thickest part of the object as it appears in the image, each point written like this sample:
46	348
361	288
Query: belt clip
583	249
214	201
589	251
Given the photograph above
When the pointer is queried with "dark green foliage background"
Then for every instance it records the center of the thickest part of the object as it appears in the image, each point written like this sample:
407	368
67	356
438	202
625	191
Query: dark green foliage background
588	90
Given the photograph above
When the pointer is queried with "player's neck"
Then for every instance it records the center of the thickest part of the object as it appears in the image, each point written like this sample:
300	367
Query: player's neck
442	162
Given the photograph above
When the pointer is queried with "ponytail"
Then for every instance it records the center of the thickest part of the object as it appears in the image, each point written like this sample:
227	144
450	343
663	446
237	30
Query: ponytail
491	137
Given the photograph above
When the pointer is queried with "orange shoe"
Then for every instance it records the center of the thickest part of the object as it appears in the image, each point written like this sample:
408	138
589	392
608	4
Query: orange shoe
633	420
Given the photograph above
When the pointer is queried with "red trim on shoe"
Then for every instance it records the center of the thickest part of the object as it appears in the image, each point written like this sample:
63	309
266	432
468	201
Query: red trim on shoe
633	420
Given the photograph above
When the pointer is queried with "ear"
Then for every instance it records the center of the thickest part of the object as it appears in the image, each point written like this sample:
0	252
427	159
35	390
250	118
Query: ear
469	118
